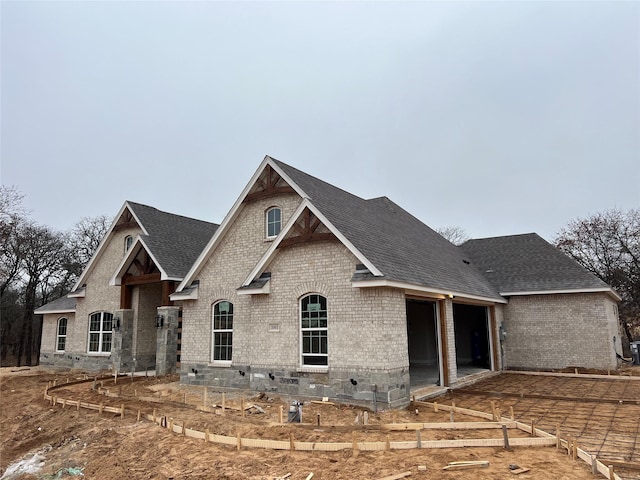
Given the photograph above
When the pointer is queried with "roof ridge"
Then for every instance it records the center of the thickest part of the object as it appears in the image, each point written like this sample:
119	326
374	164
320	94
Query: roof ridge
281	163
129	202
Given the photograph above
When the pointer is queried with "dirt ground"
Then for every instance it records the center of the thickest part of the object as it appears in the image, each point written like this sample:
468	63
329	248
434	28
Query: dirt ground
105	446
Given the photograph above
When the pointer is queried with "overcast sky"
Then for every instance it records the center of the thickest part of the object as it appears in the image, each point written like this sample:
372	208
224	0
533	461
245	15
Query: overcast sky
497	117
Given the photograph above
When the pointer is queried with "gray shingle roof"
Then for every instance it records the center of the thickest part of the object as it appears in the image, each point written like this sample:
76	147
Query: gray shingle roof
62	304
528	263
398	244
175	241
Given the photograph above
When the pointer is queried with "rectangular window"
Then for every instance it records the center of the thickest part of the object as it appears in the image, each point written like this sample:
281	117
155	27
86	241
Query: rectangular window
100	326
222	332
313	327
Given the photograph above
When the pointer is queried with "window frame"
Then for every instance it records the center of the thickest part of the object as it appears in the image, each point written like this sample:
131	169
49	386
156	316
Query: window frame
105	330
61	336
268	222
228	347
128	241
322	331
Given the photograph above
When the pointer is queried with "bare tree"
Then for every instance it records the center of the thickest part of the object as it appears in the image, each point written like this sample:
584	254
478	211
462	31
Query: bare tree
608	245
12	217
42	264
86	235
455	235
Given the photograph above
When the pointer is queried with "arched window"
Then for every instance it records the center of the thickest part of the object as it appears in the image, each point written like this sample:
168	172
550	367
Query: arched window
100	326
61	337
222	332
128	241
273	222
313	331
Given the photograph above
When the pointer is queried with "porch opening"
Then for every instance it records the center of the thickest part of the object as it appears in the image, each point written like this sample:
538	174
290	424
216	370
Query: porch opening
422	335
473	350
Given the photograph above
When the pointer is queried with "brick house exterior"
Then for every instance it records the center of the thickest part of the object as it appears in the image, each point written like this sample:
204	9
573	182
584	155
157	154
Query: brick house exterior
110	316
305	289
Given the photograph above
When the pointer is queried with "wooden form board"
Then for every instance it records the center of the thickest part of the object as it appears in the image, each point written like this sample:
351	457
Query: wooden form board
542	439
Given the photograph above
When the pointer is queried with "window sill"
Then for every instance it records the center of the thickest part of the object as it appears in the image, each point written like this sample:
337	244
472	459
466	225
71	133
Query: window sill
306	369
99	354
220	363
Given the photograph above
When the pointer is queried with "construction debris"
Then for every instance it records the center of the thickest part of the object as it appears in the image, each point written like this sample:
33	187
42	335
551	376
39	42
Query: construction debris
465	465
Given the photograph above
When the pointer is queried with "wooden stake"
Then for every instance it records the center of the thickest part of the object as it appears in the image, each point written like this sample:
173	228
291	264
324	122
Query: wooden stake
184	427
435	407
318	419
419	439
513	417
558	442
354	442
292	445
451	419
365	418
78	406
239	440
533	428
206	435
575	449
388	443
612	472
224	403
101	408
122	411
493	410
242	407
185	398
154	415
64	403
505	435
138	417
281	414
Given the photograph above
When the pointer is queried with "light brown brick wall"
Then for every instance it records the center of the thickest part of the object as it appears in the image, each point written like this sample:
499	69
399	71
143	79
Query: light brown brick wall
367	327
239	251
557	331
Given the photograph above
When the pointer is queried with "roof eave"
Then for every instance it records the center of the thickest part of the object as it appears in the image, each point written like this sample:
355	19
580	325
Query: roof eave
433	292
189	294
607	291
38	311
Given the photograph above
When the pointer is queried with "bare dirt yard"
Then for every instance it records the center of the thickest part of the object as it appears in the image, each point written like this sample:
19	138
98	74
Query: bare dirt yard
108	446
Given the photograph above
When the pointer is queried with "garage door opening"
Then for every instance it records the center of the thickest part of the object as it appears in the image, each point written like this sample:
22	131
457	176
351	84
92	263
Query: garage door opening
422	334
473	348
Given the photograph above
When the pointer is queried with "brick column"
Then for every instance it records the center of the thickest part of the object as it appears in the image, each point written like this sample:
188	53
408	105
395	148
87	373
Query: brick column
446	312
122	350
167	341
